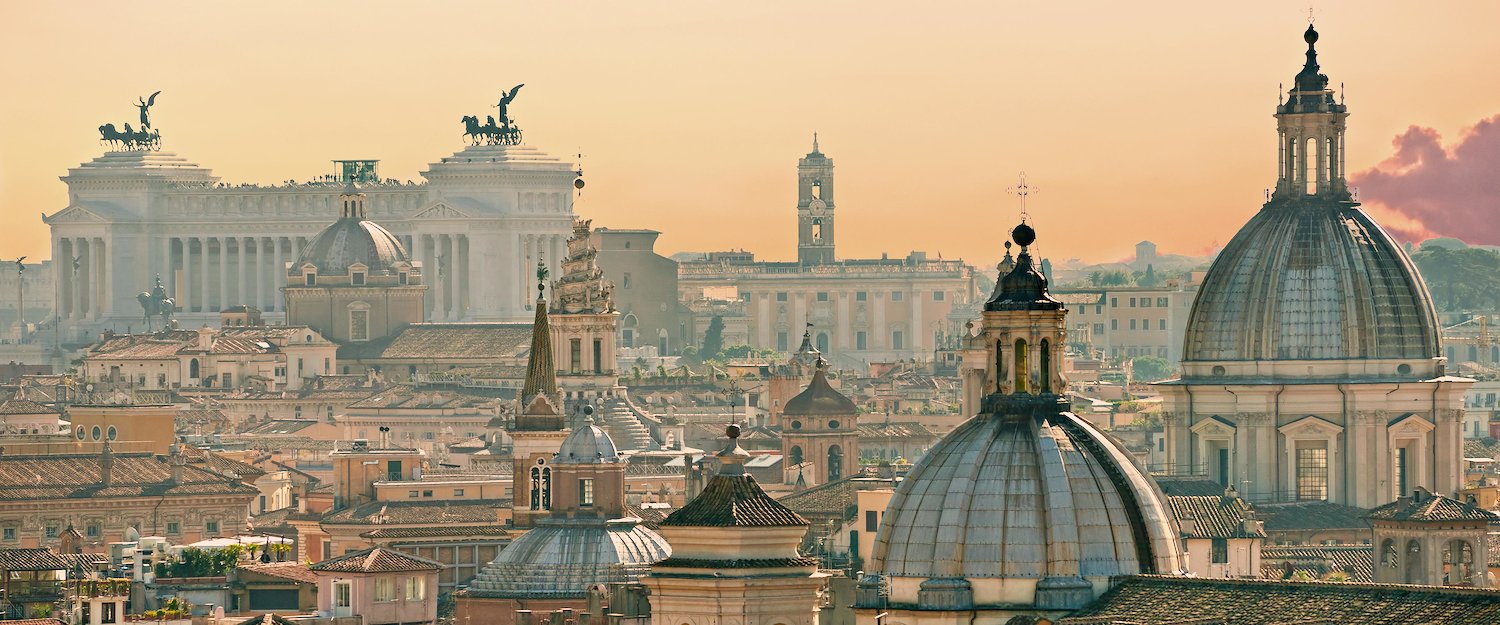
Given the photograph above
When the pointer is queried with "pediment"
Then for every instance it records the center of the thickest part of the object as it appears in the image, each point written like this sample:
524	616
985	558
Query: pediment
1409	424
1214	426
439	210
1311	426
76	214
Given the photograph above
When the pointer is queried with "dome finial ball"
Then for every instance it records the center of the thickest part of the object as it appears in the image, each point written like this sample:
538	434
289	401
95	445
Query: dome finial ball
733	431
1023	235
1311	35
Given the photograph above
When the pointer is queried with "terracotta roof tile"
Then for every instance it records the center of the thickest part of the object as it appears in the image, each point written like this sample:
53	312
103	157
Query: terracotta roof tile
1213	517
436	531
1431	508
31	560
295	571
1159	600
376	560
77	476
733	501
1357	561
479	341
1312	516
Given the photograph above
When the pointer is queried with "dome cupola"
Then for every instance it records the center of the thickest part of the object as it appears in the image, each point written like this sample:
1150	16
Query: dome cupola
352	241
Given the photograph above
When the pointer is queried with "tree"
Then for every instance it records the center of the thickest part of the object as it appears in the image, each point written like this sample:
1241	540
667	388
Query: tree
1111	278
1460	279
1151	369
713	339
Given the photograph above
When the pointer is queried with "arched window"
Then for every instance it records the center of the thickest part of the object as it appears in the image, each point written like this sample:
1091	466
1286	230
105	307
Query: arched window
546	488
823	342
1414	562
999	364
193	368
1044	358
795	455
835	463
1310	162
536	488
1021	386
1332	167
1291	159
1458	563
1389	557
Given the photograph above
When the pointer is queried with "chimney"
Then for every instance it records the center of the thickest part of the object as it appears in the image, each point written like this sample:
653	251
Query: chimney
886	471
106	462
177	463
205	338
1188	524
523	617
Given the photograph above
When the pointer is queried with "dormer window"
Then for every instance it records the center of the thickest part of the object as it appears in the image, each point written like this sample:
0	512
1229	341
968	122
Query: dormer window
357	278
311	278
403	279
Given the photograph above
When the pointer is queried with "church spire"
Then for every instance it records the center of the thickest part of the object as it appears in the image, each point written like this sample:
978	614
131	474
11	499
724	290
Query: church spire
541	374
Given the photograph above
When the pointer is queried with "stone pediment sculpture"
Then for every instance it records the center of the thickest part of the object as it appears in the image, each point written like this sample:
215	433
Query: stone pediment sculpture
582	287
440	211
74	214
506	132
144	138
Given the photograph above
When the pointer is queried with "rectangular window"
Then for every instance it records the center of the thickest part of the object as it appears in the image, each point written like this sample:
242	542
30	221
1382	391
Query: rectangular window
1145	302
575	355
227	379
107	613
1114	302
1220	551
413	493
458	492
822	296
359	325
781	341
1401	471
1114	324
10	533
161	380
426	493
404	280
897	296
174	528
212	527
781	296
860	340
1098	328
93	530
1161	302
416	588
357	279
872	521
625	281
385	589
896	339
51	531
1132	302
1312	472
585	493
312	279
393	470
860	296
1098	309
1161	324
598	355
1132	324
327	366
937	296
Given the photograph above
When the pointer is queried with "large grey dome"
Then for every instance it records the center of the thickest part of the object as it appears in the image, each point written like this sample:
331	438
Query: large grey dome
352	240
1311	280
1010	506
557	559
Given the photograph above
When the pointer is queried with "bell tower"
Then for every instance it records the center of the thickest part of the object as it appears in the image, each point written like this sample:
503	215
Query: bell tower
815	208
1310	129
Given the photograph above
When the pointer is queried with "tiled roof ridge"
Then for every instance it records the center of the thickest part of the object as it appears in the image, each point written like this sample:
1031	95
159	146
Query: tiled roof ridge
1271	583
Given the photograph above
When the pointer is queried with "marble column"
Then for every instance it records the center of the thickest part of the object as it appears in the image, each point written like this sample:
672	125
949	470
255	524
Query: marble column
185	295
101	282
222	292
240	243
203	301
278	275
164	265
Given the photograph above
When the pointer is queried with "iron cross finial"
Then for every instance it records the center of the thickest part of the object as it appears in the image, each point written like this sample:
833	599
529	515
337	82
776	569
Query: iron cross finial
1022	190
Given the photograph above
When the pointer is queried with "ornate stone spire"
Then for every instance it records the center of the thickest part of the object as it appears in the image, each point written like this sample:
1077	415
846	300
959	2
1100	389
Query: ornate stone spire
582	287
538	394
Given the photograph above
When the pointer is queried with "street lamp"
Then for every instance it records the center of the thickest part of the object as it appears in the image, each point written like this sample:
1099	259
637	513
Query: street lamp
21	299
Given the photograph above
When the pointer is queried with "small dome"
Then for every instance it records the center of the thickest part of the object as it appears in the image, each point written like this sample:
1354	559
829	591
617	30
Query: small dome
589	444
352	240
1039	500
557	559
1311	281
820	398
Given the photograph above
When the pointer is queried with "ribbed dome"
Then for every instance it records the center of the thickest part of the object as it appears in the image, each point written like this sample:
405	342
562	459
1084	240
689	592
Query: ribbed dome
1311	279
1045	501
588	444
352	240
820	398
557	559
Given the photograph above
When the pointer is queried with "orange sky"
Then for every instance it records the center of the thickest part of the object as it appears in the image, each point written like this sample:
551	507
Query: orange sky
1136	120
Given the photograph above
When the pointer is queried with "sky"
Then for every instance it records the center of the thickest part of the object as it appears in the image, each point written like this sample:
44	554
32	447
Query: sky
1134	120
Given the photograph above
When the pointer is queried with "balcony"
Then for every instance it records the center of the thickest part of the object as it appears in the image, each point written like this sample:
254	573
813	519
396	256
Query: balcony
33	591
96	588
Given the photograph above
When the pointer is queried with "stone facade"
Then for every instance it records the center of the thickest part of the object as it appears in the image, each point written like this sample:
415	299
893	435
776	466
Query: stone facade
478	223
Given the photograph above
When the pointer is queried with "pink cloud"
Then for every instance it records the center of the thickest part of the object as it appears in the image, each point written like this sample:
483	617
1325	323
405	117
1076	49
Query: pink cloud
1437	191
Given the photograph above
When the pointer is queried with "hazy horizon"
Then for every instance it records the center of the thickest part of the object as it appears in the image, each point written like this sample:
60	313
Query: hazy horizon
1136	122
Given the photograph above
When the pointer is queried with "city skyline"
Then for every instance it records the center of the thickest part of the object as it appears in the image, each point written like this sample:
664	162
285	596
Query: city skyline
745	105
